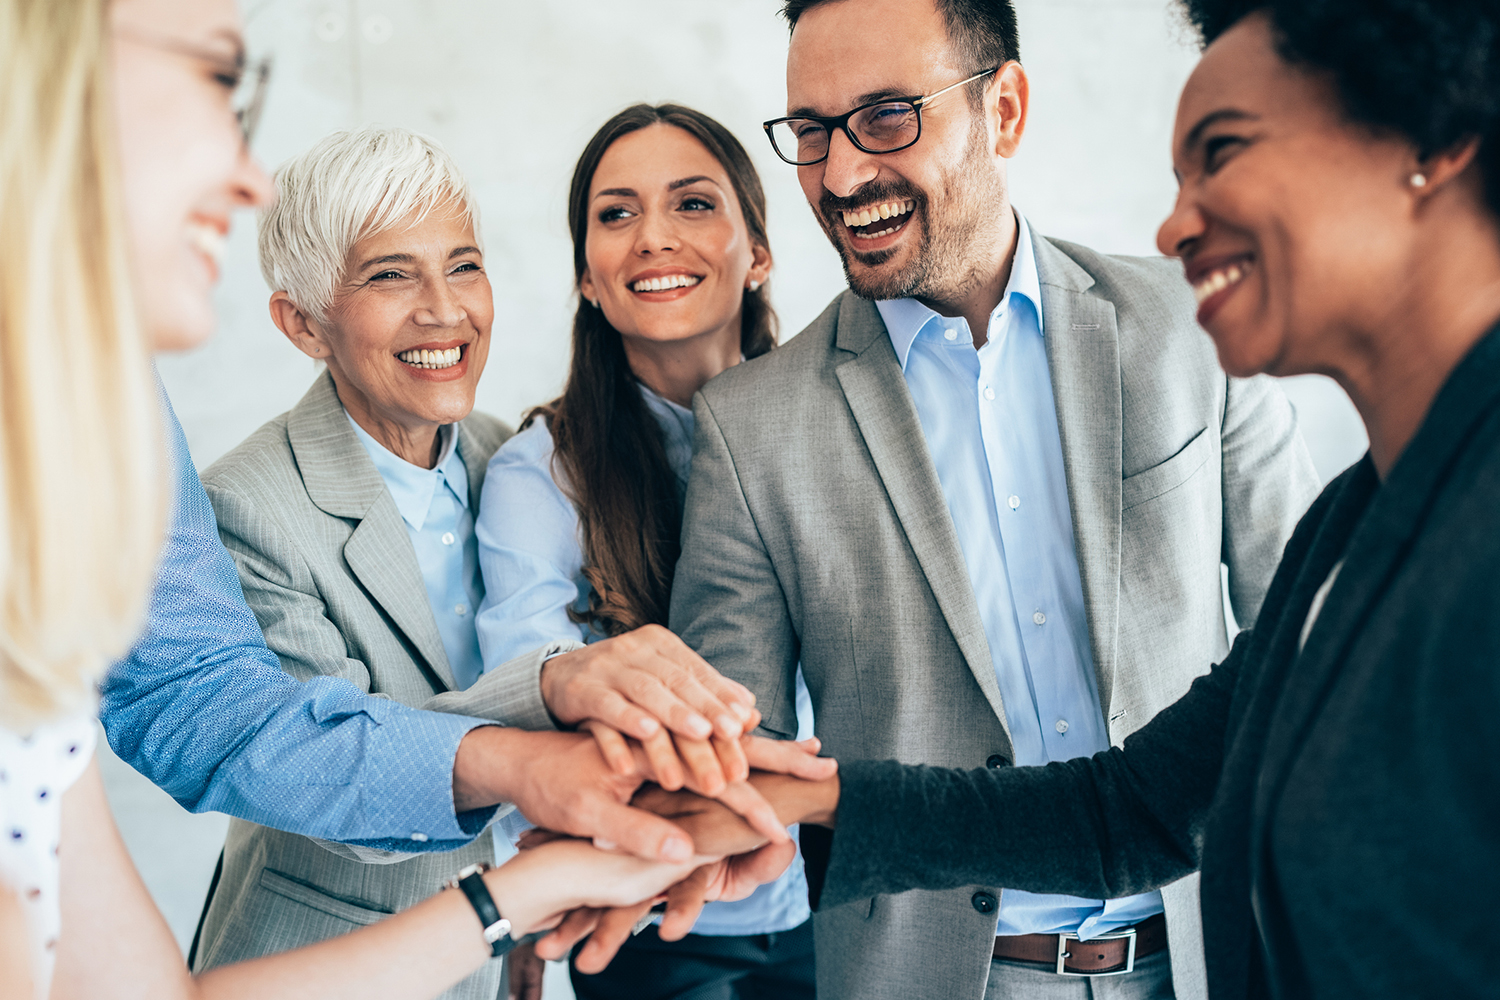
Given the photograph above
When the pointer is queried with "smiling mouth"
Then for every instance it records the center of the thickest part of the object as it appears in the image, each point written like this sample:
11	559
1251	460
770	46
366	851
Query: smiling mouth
1220	278
875	221
665	283
432	359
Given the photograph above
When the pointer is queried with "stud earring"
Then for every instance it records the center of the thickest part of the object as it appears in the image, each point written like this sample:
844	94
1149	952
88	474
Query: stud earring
594	303
1419	180
754	286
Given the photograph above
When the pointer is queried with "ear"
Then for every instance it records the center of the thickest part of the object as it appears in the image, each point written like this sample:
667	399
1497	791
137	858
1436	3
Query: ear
1007	100
586	286
305	333
760	265
1443	167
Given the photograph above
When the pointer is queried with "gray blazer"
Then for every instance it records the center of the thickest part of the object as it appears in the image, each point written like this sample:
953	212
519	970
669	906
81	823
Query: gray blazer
329	570
815	528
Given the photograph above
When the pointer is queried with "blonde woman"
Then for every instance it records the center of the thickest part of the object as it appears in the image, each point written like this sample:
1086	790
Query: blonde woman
120	165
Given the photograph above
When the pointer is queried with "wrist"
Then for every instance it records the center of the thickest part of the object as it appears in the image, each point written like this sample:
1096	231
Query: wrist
797	800
487	766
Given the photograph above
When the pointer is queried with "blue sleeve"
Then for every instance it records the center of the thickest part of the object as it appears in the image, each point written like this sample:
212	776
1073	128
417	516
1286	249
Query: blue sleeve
528	552
203	709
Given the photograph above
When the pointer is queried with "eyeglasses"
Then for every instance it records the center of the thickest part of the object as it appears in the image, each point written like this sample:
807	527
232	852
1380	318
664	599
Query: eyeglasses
878	127
248	80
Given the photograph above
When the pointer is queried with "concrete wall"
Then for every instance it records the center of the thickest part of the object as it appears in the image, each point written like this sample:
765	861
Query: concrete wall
515	89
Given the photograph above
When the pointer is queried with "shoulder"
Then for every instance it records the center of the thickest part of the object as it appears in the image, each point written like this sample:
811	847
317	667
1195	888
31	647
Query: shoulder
1130	283
262	463
530	447
487	433
789	368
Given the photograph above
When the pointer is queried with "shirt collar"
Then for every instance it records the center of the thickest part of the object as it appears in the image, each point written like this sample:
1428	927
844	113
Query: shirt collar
905	318
676	423
411	486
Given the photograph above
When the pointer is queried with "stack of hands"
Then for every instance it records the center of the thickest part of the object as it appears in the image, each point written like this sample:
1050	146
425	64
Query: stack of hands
662	775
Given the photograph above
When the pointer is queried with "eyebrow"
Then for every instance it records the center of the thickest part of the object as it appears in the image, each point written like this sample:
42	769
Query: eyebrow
406	258
886	94
236	42
1213	118
672	186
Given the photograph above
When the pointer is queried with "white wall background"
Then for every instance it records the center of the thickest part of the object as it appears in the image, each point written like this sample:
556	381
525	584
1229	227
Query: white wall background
514	89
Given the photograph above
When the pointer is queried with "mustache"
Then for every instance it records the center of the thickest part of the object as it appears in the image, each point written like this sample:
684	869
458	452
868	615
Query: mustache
832	207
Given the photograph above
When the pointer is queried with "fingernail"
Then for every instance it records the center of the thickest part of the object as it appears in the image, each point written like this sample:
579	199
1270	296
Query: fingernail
730	726
675	849
649	726
699	727
743	711
605	845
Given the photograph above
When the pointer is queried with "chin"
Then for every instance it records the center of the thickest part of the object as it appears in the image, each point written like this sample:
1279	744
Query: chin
1245	357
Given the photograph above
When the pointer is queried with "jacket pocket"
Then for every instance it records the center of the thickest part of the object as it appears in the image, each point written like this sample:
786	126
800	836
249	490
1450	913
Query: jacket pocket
300	892
1164	477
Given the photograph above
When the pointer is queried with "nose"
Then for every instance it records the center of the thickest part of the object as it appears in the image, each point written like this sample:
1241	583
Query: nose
440	307
848	168
657	233
250	185
1183	228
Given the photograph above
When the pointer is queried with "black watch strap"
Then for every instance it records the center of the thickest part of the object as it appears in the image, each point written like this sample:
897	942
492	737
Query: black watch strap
496	927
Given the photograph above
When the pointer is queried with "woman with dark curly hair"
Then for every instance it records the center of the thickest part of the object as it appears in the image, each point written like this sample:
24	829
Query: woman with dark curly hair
1336	777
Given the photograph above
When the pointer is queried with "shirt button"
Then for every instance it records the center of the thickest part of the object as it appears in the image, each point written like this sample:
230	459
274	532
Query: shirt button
460	610
447	538
995	760
985	902
950	334
1015	503
1062	725
420	838
1039	618
989	393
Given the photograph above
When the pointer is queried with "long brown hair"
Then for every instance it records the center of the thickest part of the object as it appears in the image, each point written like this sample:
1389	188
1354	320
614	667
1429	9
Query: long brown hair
609	455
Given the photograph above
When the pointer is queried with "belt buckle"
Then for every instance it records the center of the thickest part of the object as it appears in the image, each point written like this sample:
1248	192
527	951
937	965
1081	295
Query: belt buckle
1063	954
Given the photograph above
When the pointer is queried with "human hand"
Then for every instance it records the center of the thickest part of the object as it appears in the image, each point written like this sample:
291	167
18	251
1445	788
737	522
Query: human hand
628	757
540	886
524	971
643	681
560	781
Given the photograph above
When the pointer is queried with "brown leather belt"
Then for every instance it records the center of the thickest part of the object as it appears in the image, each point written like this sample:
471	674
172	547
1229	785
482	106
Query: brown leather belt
1112	954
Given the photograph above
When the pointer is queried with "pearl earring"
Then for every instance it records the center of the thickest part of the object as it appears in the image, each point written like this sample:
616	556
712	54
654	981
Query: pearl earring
1419	180
754	286
594	303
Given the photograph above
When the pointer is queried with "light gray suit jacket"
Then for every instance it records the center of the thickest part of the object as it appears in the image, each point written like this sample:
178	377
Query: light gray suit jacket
330	572
815	528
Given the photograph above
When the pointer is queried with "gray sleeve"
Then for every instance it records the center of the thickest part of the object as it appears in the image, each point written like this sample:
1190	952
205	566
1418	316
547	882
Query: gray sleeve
1269	482
727	602
510	694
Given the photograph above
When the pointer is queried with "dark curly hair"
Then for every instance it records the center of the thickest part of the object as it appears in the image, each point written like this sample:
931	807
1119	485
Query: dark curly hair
1428	70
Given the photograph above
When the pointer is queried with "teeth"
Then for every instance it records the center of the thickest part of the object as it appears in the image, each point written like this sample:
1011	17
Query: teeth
874	213
207	239
668	282
1219	280
432	359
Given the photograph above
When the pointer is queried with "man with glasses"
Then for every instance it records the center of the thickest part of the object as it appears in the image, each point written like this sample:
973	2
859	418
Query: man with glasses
995	535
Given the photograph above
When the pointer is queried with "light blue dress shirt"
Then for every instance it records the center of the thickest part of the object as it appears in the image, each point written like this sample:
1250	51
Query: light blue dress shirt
203	709
991	426
434	503
532	563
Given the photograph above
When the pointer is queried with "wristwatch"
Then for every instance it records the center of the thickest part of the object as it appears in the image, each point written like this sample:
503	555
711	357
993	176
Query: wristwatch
496	927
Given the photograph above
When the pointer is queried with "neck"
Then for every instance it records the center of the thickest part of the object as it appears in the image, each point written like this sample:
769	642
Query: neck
1394	370
676	369
414	441
977	295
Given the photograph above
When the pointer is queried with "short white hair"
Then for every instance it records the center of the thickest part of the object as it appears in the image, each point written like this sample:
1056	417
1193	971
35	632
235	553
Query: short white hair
353	184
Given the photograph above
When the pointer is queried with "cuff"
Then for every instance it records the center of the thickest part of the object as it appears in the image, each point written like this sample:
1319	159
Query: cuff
510	694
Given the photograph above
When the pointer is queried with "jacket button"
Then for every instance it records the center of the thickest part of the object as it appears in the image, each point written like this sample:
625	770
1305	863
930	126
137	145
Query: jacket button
985	902
995	760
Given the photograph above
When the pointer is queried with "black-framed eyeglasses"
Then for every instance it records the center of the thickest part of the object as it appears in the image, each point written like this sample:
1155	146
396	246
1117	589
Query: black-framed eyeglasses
878	127
248	79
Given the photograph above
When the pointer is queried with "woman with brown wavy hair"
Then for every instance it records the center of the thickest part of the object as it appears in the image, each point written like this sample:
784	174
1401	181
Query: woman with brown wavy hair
579	520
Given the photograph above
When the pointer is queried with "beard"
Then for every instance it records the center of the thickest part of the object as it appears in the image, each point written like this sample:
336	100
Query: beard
945	262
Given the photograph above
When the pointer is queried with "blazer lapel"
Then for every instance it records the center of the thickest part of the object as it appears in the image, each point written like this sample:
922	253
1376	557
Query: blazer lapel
343	482
1083	355
1384	532
882	406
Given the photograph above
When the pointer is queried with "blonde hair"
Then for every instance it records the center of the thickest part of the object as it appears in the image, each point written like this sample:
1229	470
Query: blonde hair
350	185
82	499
